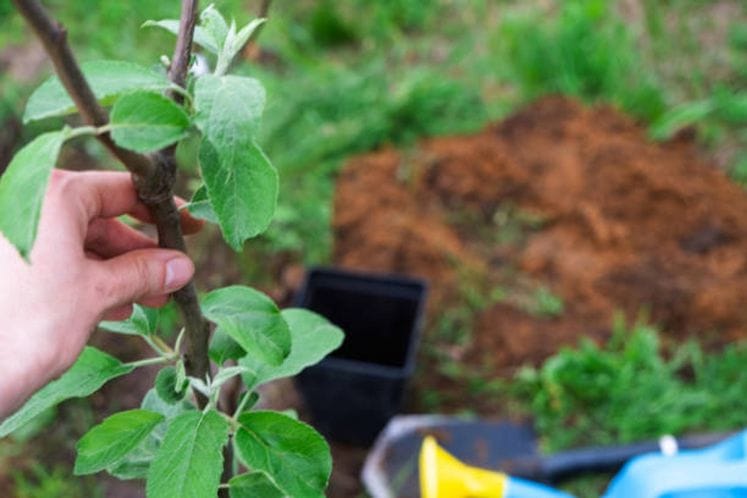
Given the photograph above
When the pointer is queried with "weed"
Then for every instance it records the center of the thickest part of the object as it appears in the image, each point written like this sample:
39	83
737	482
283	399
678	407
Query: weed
584	51
42	483
513	223
591	486
546	304
632	389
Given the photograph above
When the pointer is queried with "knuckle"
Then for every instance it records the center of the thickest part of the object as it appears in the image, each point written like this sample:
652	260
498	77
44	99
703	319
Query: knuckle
141	276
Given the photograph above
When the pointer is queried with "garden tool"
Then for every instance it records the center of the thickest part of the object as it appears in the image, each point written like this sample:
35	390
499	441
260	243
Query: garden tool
719	471
391	468
443	476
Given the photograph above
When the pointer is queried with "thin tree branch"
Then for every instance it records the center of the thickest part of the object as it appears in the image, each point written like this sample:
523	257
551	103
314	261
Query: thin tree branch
183	48
54	38
196	358
153	176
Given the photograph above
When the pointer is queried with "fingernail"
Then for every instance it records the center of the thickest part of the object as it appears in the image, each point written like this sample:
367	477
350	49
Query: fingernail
178	273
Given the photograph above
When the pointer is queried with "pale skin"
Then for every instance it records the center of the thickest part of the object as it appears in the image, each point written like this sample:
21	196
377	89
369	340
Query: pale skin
85	266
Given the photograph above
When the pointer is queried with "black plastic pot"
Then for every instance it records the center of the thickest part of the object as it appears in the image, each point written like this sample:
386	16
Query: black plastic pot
354	392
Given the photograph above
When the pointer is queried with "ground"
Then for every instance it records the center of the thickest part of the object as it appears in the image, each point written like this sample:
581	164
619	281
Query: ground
545	225
532	234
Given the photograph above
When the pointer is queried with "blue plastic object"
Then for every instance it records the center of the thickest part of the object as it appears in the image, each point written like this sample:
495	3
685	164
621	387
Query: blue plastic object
716	472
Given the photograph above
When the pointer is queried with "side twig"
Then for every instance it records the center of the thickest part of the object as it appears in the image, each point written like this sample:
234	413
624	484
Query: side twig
153	176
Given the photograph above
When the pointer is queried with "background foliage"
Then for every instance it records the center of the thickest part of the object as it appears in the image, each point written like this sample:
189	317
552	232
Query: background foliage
349	77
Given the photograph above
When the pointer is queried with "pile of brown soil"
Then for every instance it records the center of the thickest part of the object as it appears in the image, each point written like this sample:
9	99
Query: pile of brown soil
562	196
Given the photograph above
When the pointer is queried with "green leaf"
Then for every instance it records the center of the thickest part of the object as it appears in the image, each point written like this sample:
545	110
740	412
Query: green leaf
243	188
167	387
22	189
730	106
136	464
145	121
214	25
233	44
223	348
228	108
292	454
201	36
143	321
108	79
679	117
200	206
312	338
254	485
242	37
241	182
92	370
252	320
190	461
109	442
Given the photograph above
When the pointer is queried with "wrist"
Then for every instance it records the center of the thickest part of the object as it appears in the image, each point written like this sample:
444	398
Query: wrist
26	365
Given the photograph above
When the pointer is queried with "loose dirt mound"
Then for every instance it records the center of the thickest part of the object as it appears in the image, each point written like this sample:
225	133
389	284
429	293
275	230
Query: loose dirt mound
560	196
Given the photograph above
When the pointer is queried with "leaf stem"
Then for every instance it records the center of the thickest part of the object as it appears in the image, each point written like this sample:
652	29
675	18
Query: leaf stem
152	344
88	130
241	406
163	346
156	360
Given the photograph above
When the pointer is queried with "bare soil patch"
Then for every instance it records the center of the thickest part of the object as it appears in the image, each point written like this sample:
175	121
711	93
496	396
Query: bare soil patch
571	198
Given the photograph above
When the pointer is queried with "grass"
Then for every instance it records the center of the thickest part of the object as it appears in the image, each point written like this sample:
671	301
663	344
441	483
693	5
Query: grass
40	482
585	50
633	388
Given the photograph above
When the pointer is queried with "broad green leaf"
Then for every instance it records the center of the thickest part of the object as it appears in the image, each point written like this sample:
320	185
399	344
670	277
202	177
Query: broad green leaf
312	338
201	36
214	25
22	189
292	454
109	442
92	370
228	108
146	121
143	321
189	463
254	485
223	348
243	188
167	386
135	464
108	79
252	320
241	182
200	207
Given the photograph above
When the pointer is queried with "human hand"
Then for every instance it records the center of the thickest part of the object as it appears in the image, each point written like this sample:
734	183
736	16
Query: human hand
85	266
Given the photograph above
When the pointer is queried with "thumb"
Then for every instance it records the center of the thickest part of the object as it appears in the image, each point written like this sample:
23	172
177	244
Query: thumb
146	272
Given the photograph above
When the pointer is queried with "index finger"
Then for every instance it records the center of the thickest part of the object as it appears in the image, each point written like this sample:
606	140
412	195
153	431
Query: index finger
106	194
